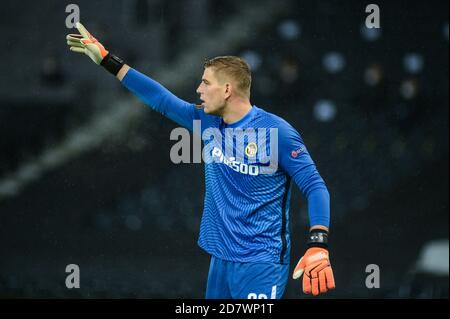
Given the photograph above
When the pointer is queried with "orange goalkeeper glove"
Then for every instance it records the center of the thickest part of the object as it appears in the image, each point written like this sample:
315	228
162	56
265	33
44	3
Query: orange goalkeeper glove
315	267
86	43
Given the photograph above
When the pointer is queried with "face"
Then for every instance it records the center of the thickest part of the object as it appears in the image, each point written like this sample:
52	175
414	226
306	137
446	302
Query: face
213	93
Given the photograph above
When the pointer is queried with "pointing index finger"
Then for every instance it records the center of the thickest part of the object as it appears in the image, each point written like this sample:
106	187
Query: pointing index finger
85	33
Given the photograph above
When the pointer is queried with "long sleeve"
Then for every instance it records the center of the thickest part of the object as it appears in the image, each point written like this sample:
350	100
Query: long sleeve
157	97
297	162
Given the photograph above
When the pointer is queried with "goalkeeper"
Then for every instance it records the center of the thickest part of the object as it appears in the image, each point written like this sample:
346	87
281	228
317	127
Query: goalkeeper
245	221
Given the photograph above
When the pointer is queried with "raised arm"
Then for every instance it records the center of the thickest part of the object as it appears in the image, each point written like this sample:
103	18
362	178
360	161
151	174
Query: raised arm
148	90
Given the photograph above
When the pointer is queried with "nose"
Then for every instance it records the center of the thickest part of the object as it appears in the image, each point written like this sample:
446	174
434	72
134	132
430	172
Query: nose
200	88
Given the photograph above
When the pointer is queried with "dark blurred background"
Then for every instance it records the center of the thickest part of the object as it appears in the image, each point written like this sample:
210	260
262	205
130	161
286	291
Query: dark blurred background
85	172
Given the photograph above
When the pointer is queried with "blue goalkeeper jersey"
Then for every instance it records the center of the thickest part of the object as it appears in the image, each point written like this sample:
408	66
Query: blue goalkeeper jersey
249	166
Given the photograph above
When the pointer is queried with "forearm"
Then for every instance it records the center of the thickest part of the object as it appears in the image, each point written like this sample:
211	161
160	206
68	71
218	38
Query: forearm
149	91
319	208
313	187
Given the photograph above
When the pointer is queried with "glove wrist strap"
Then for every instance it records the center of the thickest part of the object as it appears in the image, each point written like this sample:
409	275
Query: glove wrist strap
318	238
112	63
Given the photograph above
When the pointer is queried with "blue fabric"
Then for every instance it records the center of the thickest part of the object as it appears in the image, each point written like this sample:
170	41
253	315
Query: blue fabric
160	99
246	212
235	280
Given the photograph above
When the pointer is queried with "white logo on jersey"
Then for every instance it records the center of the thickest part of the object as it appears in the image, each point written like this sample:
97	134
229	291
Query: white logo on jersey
231	162
261	149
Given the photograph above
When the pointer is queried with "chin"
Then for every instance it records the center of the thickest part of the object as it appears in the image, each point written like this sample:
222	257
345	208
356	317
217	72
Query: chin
208	110
212	111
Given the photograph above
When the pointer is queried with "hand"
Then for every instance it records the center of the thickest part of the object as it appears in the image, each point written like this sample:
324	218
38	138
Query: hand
87	44
316	270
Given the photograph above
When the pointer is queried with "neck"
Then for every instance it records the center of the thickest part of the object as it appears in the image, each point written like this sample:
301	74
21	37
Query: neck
236	111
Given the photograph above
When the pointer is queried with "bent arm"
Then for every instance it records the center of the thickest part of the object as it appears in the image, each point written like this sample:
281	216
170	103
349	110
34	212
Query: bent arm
297	162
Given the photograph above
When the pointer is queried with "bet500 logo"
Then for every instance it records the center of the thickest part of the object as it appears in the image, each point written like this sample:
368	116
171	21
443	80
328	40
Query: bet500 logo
239	167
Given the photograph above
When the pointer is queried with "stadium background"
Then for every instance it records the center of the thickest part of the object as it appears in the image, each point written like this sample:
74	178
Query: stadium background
85	172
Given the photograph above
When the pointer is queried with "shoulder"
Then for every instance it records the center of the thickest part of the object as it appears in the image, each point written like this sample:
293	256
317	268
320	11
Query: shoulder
285	129
207	120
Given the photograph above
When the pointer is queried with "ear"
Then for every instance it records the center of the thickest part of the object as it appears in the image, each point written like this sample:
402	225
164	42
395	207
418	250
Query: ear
228	90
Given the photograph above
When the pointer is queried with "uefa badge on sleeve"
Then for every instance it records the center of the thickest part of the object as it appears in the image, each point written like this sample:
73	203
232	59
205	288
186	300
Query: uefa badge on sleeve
297	152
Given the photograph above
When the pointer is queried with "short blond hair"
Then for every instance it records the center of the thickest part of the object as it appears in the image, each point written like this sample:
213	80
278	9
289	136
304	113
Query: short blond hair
235	68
